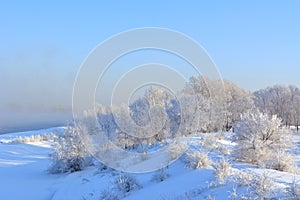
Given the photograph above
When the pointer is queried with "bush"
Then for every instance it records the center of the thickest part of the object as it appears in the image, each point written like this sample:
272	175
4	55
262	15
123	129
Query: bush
31	139
242	178
126	183
69	151
259	186
176	149
280	161
222	149
160	175
197	159
209	141
263	187
257	135
223	170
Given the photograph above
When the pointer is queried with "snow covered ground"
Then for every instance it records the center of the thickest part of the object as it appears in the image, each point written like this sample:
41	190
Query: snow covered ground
23	175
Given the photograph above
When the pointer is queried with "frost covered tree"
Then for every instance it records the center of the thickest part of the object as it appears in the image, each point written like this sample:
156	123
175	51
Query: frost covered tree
281	101
148	116
139	111
294	109
238	101
125	127
173	112
257	135
227	100
194	114
212	91
156	96
70	151
281	97
106	121
138	133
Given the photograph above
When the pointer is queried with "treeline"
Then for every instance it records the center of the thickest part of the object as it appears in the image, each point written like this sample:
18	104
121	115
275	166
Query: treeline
281	101
204	105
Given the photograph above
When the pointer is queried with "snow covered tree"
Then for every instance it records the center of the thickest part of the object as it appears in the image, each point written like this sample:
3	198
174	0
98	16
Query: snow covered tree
257	135
294	109
173	112
238	101
137	133
194	114
212	91
139	111
70	152
262	101
156	96
126	128
106	121
282	101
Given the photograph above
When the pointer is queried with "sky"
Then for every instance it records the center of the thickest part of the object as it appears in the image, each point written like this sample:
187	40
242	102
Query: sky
43	43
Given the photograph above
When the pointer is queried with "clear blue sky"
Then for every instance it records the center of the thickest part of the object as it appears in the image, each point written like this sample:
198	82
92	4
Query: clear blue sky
253	43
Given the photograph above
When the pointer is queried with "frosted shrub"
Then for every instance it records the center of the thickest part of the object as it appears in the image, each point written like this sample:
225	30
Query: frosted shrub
208	141
126	183
242	178
280	161
258	187
28	139
233	194
223	170
263	187
69	151
18	140
222	149
257	135
160	175
197	159
36	138
176	149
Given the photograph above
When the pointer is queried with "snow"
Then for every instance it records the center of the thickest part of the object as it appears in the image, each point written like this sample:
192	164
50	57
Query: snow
23	172
23	175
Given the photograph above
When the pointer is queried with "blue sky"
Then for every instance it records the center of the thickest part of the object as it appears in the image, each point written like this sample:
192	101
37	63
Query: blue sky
253	43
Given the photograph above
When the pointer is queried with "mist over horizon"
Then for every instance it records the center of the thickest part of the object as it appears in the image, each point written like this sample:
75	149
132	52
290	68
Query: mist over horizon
15	118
